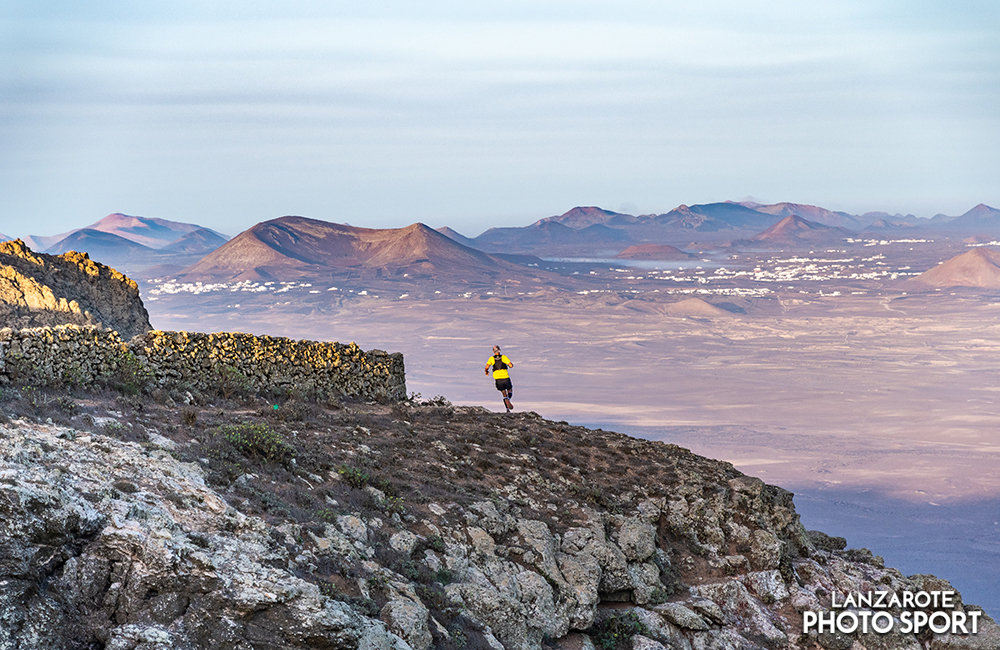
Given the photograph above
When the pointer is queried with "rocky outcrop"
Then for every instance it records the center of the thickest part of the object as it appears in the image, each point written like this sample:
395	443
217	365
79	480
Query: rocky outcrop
39	290
114	546
228	363
120	545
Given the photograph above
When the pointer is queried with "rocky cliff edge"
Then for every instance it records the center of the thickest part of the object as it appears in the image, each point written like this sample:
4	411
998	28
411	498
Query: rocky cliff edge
142	525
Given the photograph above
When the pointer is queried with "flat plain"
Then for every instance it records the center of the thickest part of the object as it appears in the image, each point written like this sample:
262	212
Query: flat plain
826	374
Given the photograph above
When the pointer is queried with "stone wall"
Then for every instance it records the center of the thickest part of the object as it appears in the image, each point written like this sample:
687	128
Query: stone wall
227	362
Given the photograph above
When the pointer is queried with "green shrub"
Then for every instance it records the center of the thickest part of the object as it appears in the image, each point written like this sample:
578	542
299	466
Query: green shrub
616	632
354	476
393	505
130	375
230	382
435	543
256	441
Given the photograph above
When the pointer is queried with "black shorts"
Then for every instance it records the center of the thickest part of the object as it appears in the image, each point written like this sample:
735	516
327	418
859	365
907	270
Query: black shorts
504	384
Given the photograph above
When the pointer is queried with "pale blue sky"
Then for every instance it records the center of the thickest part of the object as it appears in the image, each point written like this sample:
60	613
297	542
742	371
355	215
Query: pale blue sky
490	113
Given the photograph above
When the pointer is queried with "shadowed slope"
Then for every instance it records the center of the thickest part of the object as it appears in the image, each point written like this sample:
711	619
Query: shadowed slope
148	231
581	217
100	245
551	237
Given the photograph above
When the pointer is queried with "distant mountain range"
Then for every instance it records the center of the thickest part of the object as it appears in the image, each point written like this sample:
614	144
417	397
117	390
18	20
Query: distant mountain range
133	244
148	247
594	231
149	232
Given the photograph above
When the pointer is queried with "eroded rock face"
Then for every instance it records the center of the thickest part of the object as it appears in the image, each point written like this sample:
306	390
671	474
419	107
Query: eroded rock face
94	554
39	290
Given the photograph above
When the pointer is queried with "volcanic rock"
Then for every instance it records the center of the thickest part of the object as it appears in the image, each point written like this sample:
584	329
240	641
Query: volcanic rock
38	290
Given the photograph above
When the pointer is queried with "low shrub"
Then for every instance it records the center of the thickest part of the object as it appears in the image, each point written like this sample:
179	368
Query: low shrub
616	631
130	375
256	441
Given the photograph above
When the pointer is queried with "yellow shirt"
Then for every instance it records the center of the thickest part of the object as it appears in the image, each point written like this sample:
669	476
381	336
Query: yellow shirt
499	373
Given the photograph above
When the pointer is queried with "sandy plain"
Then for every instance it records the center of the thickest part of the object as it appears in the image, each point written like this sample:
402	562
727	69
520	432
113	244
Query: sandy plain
878	409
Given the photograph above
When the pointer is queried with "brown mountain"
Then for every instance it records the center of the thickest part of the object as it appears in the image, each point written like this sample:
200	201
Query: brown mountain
653	252
148	231
291	248
796	231
980	267
810	212
39	290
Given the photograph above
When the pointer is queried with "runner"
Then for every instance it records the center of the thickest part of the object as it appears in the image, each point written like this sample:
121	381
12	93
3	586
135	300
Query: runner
500	363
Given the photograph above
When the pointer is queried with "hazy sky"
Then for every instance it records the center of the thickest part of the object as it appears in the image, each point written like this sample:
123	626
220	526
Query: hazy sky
490	113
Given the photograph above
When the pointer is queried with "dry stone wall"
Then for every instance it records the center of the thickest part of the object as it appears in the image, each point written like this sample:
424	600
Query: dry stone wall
183	360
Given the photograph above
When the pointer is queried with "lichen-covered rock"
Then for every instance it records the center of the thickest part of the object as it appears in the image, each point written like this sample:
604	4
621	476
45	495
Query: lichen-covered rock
640	642
681	616
408	619
95	555
743	610
637	540
768	585
39	290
